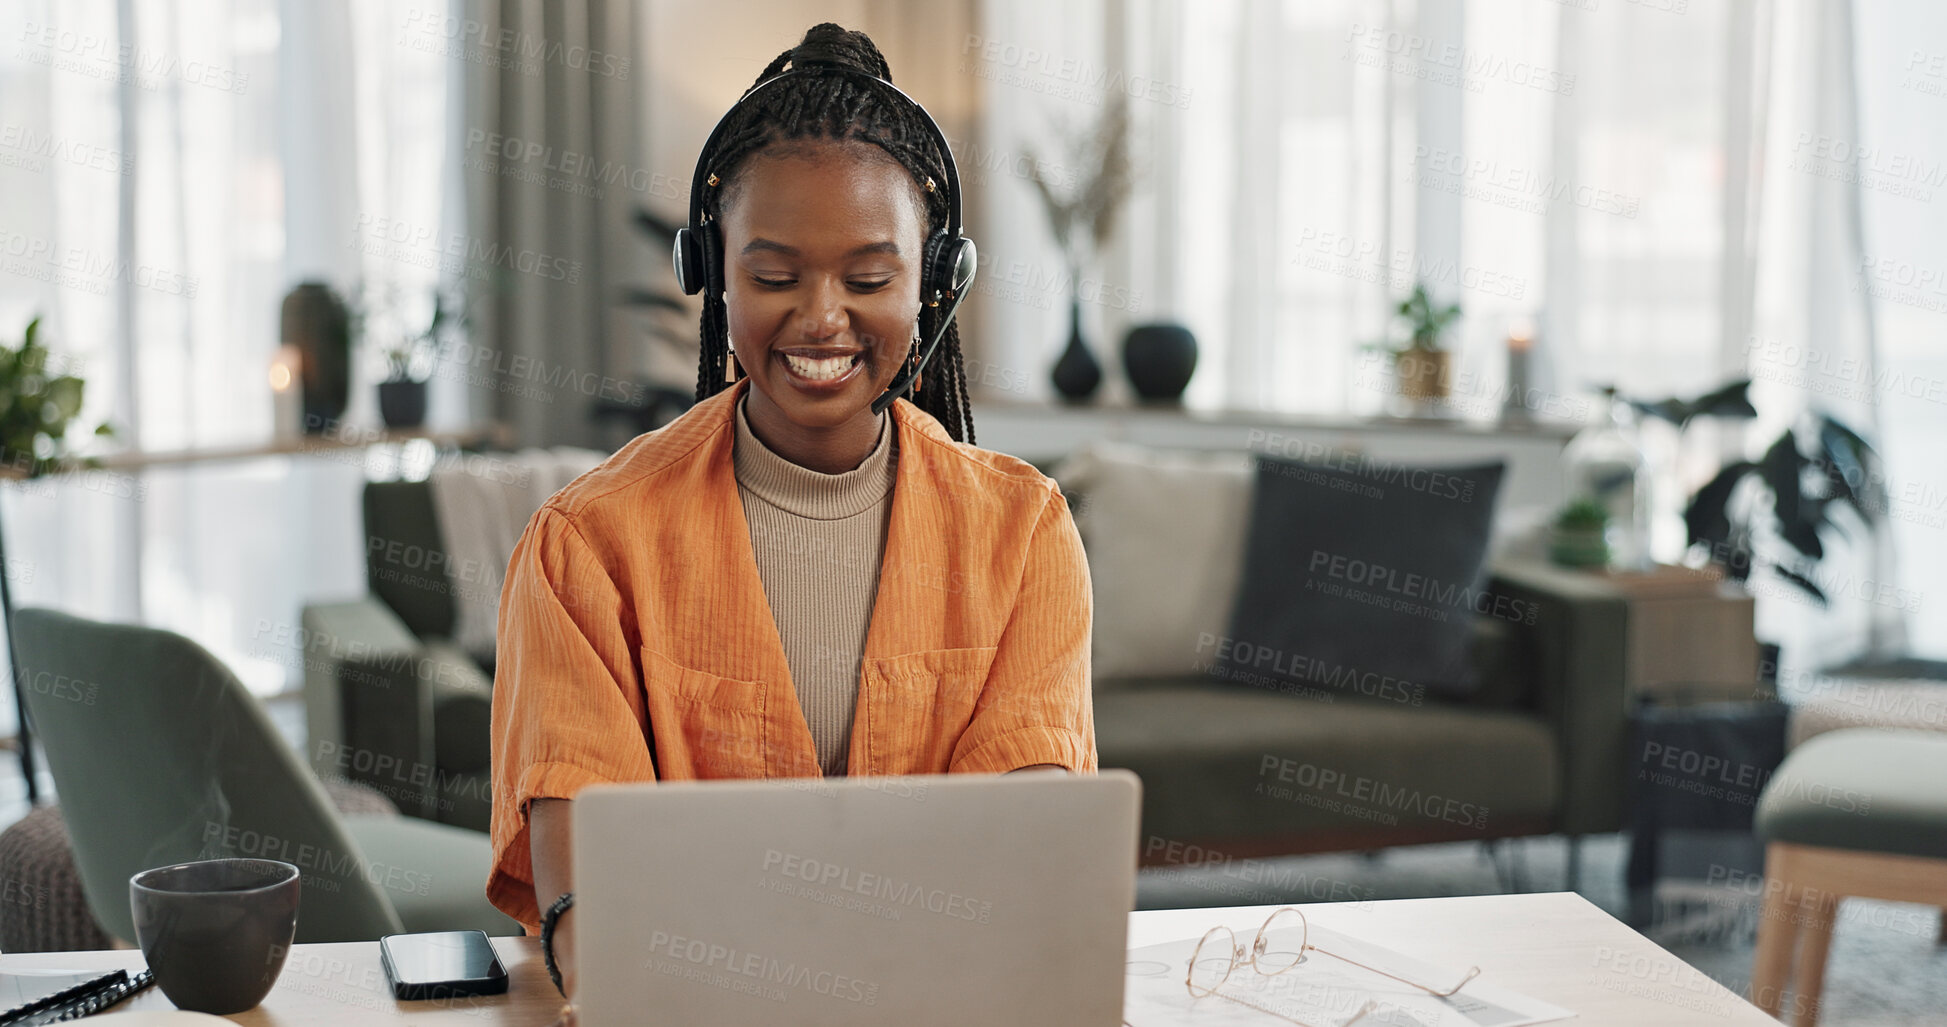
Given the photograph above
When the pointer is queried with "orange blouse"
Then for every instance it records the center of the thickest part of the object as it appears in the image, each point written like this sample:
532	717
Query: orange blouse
636	642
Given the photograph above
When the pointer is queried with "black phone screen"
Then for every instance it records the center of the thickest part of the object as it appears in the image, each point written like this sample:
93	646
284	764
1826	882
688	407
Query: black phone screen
442	964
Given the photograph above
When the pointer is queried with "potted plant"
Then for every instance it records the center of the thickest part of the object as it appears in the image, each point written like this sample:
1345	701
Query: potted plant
1081	214
1774	512
1581	534
1422	364
36	408
411	361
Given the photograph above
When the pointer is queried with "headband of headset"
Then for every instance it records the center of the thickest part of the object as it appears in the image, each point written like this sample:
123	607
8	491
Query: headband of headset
948	261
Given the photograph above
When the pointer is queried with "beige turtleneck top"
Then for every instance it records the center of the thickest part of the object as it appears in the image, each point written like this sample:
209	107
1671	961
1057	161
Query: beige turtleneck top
819	539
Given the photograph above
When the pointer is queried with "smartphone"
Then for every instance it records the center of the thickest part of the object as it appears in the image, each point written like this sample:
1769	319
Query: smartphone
443	964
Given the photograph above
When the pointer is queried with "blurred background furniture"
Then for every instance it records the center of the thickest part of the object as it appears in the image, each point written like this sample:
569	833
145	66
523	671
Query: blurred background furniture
161	756
1696	768
398	685
1532	744
1851	813
332	441
1692	636
390	700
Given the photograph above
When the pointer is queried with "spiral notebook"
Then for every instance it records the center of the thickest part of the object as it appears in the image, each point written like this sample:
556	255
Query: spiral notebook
31	999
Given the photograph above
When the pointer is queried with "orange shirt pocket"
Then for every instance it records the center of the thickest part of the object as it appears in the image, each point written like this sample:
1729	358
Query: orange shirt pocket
704	725
916	705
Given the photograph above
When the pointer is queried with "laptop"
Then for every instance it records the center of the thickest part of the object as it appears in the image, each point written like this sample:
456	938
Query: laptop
940	900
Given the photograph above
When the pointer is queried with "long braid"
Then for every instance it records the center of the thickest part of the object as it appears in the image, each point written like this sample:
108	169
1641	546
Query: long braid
837	107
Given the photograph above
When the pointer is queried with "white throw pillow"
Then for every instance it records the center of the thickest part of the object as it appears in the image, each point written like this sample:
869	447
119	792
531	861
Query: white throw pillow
1165	533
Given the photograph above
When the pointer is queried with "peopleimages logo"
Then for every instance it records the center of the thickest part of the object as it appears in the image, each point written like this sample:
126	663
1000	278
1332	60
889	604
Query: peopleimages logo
760	969
1297	667
1360	789
1019	65
1407	586
876	886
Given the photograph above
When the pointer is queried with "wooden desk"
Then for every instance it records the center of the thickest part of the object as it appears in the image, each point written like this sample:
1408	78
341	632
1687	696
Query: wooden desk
1556	947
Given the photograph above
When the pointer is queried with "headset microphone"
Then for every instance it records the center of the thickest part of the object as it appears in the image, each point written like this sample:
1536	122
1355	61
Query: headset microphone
905	381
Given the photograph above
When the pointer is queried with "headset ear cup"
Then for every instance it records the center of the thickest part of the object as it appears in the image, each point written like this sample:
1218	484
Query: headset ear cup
688	258
950	266
965	262
712	258
932	283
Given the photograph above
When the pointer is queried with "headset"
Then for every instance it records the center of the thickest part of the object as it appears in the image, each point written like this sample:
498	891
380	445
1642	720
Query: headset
947	264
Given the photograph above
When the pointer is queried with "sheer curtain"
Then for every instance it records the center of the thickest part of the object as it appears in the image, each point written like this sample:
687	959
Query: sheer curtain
1900	58
1634	179
167	172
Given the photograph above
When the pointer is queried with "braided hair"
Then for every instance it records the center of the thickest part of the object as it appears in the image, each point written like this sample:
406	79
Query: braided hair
838	107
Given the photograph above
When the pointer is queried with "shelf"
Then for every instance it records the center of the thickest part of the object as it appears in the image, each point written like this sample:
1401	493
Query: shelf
1169	413
135	460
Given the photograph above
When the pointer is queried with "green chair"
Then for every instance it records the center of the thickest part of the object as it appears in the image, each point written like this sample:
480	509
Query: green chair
160	756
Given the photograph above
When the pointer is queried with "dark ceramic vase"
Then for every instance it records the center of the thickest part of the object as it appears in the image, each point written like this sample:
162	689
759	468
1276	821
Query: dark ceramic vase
1076	374
216	932
402	404
316	320
1159	359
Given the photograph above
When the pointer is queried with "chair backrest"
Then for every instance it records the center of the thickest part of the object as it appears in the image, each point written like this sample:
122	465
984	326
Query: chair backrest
406	558
160	756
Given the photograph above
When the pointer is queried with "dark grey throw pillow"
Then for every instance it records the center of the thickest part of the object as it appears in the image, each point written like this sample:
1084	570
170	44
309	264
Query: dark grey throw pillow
1362	579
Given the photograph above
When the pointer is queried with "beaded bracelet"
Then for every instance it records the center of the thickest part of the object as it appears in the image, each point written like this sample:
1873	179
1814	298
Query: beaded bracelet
548	920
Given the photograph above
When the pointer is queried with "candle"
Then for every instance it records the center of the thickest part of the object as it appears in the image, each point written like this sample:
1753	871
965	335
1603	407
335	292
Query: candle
1521	336
1521	339
287	392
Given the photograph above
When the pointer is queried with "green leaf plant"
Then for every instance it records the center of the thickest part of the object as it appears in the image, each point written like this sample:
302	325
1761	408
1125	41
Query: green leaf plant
37	407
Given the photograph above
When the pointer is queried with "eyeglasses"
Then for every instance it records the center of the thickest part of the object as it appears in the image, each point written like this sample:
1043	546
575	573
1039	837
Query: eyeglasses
1206	976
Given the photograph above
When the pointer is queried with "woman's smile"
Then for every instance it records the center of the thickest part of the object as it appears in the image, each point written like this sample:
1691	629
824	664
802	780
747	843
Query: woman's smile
821	369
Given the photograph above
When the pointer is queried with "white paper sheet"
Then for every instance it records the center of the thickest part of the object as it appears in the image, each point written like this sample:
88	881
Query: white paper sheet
1321	991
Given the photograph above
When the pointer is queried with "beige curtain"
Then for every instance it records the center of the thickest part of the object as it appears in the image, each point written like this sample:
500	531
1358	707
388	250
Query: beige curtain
548	147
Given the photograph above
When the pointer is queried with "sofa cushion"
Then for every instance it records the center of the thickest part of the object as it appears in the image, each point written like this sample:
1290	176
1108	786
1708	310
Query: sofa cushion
1365	568
1164	533
1219	763
462	698
406	558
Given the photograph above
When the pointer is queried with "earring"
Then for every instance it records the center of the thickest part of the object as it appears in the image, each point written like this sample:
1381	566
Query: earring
732	370
915	360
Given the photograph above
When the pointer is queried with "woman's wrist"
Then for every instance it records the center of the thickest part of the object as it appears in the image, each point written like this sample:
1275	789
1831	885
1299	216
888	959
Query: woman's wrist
551	941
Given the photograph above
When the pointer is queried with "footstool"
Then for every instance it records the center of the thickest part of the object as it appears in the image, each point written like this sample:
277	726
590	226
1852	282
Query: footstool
1860	812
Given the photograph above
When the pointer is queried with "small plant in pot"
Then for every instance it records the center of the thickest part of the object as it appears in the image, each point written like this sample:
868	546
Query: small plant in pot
411	362
37	406
1422	364
1581	534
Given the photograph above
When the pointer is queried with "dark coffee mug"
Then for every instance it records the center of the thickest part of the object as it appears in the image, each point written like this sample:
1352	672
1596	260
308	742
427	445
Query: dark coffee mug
216	932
